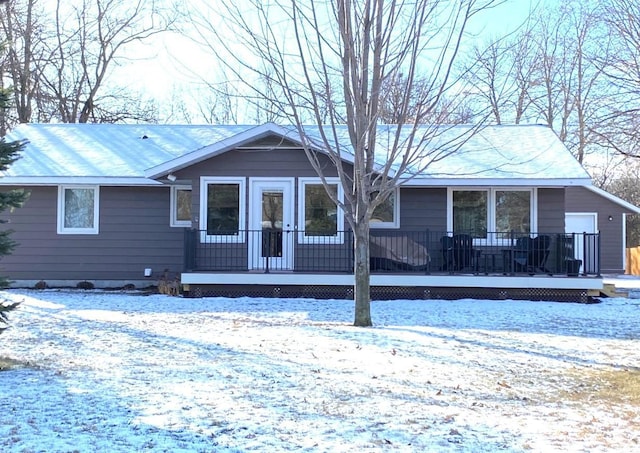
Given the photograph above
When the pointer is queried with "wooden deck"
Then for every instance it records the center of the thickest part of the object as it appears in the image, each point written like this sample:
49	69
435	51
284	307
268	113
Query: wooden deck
393	286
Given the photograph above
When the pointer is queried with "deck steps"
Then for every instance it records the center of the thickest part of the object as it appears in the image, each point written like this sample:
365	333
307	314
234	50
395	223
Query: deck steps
610	290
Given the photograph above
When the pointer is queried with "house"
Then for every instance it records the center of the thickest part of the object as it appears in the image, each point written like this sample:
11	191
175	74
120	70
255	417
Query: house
239	210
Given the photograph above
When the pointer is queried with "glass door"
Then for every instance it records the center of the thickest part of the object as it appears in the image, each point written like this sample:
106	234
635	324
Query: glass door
271	220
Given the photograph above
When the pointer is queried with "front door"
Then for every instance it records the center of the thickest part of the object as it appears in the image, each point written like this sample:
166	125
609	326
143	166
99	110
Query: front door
271	224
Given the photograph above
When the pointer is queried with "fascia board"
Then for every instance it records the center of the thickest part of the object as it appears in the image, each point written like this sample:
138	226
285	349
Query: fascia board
511	182
615	199
89	180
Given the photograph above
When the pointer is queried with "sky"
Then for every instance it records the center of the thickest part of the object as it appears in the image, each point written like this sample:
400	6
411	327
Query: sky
172	63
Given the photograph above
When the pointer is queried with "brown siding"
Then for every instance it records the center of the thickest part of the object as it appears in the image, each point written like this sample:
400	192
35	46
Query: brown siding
283	163
579	199
134	235
251	163
551	222
551	210
423	209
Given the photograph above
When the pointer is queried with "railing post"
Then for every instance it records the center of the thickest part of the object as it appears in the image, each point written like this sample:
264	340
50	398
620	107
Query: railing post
572	260
511	254
585	253
267	253
598	255
427	246
189	241
591	253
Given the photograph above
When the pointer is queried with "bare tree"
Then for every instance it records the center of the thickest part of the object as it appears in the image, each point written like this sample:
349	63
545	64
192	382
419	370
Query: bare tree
327	63
583	80
547	72
62	55
20	22
524	65
86	50
627	186
483	74
621	130
501	75
449	111
222	106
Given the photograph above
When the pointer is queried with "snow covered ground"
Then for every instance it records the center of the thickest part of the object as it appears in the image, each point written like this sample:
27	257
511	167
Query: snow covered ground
123	372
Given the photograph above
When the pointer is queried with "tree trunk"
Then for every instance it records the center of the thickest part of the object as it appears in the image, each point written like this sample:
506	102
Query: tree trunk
362	290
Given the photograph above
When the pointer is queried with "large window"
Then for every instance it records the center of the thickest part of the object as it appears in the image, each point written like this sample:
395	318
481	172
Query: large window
320	218
181	206
470	212
78	209
491	213
513	210
223	208
387	214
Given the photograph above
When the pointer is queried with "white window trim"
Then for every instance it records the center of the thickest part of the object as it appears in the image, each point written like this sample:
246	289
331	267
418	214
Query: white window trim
335	239
95	229
223	238
396	214
491	209
174	222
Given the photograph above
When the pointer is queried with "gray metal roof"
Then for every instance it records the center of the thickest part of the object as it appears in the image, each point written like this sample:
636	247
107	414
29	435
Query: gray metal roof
138	153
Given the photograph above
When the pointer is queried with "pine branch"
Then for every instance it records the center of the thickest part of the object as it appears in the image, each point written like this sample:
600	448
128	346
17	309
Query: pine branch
4	309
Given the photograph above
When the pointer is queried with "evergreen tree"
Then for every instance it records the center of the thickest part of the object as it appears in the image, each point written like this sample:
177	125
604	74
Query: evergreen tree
4	309
9	199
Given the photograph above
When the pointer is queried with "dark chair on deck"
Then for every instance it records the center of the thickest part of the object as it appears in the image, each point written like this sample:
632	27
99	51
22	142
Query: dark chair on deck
538	254
530	254
446	243
520	254
458	253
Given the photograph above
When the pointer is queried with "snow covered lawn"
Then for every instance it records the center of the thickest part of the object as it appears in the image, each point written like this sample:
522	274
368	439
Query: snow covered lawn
121	372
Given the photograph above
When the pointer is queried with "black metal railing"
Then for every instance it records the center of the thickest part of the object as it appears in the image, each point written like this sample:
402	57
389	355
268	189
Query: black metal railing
268	250
517	253
394	251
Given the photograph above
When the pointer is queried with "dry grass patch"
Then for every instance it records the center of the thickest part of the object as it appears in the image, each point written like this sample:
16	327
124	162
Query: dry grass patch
8	364
605	386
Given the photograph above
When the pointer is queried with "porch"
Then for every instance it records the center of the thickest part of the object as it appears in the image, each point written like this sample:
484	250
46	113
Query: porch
409	265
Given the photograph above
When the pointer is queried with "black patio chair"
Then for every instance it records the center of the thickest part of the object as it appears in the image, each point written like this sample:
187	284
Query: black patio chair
458	253
463	251
448	263
520	254
538	254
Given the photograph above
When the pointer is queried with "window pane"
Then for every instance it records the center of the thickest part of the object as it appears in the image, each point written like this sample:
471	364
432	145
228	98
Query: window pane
78	208
470	212
513	211
272	217
223	208
183	207
272	209
320	212
384	212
